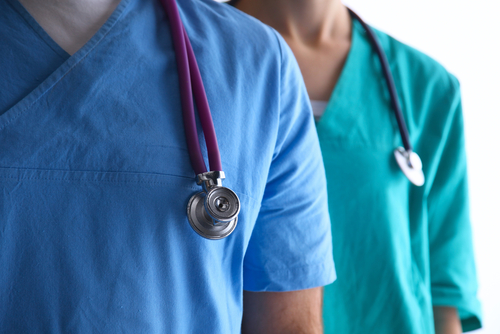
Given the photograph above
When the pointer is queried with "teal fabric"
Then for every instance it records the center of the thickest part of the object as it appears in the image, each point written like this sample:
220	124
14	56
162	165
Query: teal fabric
399	249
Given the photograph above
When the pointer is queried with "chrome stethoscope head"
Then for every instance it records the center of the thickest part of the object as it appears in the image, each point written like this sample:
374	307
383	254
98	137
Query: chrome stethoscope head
213	212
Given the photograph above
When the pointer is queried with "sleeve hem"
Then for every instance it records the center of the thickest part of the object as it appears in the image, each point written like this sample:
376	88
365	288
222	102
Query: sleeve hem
299	278
468	308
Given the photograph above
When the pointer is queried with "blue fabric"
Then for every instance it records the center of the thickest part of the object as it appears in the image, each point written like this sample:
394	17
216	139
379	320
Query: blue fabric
22	70
95	176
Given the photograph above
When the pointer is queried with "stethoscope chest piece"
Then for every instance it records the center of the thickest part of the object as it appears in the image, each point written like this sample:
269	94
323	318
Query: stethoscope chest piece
411	165
213	212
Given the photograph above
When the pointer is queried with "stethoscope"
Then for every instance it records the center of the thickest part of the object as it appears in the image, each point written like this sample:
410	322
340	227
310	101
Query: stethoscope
212	212
408	161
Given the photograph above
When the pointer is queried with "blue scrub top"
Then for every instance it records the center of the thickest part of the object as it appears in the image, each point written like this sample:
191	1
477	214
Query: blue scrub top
95	175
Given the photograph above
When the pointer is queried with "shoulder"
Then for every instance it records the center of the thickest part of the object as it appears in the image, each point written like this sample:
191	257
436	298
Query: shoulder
234	31
430	97
246	57
429	93
246	53
416	65
418	69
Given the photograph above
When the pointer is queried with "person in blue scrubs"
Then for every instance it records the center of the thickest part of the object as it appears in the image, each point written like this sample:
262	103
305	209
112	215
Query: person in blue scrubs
95	175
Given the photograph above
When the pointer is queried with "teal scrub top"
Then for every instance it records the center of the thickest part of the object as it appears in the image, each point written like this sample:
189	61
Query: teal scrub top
95	175
399	249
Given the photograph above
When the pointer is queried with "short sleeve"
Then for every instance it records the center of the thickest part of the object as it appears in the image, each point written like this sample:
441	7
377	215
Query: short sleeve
453	273
290	247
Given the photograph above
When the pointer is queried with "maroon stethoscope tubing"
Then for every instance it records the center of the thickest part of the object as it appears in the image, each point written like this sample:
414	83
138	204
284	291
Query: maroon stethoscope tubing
191	87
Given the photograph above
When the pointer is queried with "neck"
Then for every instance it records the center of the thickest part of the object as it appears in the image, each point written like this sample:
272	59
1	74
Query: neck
307	21
317	31
70	23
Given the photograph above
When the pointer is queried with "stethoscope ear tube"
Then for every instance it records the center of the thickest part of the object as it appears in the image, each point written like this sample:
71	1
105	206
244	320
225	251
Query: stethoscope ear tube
405	137
408	161
191	85
204	113
213	212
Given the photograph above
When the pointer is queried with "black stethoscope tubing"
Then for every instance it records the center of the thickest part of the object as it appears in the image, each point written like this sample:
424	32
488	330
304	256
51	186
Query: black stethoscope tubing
409	162
403	130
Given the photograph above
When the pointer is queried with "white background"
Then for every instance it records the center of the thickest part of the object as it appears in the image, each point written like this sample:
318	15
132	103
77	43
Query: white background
464	36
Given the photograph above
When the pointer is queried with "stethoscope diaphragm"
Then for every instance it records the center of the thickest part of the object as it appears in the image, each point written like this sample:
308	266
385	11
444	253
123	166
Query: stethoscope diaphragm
410	165
203	224
222	204
213	212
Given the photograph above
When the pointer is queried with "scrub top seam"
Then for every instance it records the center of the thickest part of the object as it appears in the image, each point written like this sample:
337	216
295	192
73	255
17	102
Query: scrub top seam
37	28
103	174
281	52
462	302
72	62
89	180
124	173
159	183
334	94
287	269
279	280
441	147
276	153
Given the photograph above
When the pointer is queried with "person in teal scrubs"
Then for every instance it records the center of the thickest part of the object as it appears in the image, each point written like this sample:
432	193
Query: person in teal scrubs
403	253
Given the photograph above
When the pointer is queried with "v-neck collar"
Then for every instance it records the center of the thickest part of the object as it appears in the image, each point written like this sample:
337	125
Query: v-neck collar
24	105
19	8
338	90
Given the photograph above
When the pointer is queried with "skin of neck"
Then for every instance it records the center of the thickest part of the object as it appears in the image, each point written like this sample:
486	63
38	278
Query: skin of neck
70	23
317	31
308	21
